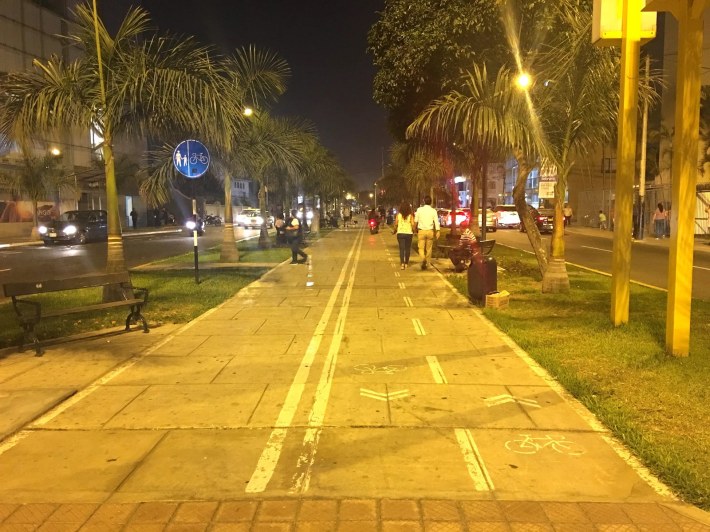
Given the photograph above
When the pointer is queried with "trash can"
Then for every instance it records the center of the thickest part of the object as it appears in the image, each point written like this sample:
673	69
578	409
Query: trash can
482	276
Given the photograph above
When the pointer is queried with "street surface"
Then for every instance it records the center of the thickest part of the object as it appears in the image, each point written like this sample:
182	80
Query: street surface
344	394
59	261
593	249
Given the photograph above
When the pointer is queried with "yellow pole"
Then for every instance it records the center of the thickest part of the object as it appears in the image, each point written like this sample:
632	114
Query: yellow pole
684	176
626	160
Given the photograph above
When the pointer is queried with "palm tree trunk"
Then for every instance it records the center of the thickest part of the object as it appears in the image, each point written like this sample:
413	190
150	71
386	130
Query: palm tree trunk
229	251
115	261
522	207
556	279
315	222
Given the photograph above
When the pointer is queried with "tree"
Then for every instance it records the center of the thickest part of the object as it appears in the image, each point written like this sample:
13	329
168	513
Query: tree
489	118
420	49
131	83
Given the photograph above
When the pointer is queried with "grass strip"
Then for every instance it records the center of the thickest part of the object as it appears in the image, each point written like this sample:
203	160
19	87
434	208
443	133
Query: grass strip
659	406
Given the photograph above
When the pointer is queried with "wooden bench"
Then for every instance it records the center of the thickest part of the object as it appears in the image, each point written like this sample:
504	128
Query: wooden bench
30	313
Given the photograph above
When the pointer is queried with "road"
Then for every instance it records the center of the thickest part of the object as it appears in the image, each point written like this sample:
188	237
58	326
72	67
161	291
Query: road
37	262
649	258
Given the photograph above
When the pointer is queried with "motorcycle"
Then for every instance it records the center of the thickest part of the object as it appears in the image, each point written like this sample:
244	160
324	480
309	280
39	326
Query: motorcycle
195	225
213	220
374	226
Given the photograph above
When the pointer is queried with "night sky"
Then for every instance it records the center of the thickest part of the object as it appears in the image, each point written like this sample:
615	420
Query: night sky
324	43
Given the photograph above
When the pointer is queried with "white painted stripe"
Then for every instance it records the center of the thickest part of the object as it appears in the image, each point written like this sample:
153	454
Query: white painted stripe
316	417
396	274
474	463
436	370
272	451
418	327
408	302
402	286
701	268
597	249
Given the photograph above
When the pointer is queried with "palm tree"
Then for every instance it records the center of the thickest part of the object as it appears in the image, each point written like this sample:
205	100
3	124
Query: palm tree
488	118
131	83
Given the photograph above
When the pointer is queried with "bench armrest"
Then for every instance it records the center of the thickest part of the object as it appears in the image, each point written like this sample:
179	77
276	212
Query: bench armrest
141	292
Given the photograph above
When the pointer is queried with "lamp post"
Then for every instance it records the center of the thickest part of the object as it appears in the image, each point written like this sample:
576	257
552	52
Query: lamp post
375	195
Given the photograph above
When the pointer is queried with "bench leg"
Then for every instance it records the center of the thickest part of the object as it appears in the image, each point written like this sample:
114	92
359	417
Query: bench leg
28	333
135	317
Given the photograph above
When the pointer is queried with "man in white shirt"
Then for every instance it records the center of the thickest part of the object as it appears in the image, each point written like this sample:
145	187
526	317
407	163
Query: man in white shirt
427	222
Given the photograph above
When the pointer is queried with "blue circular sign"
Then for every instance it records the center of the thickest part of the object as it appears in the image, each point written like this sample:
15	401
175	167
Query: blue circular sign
191	158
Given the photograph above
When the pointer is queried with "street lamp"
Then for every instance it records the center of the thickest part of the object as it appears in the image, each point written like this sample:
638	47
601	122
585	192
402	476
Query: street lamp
375	195
523	80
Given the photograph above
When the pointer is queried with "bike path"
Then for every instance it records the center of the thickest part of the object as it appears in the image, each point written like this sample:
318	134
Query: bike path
350	395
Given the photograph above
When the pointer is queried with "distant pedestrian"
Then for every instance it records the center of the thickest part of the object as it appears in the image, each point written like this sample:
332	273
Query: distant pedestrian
404	229
134	218
427	221
294	236
602	220
164	215
660	217
280	226
347	213
567	211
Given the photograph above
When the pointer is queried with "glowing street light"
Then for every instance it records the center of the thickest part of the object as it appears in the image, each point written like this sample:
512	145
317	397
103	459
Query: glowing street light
248	111
523	80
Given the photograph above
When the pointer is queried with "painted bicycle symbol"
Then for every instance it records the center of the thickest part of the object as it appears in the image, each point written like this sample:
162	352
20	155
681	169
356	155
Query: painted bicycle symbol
371	369
530	445
198	157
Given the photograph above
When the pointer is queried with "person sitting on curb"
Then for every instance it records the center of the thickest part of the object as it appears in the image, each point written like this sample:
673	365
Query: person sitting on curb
463	251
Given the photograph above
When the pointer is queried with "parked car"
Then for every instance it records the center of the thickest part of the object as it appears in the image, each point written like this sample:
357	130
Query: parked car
444	217
544	219
491	221
506	216
75	227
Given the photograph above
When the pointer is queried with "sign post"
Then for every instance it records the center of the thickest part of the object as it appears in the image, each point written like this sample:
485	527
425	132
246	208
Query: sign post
192	159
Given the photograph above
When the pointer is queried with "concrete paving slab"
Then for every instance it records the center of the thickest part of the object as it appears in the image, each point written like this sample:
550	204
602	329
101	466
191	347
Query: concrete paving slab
96	409
19	407
195	465
238	326
230	345
247	301
352	404
283	323
426	345
17	363
548	465
190	406
264	369
72	466
180	346
173	370
62	371
380	368
351	344
476	369
394	462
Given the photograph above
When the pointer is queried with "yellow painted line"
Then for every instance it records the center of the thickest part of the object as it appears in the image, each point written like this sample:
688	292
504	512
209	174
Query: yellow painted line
474	462
436	370
266	464
418	327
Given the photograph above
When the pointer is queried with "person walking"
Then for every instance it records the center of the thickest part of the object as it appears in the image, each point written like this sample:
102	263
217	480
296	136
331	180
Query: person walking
567	211
404	229
134	218
294	235
660	217
602	220
427	222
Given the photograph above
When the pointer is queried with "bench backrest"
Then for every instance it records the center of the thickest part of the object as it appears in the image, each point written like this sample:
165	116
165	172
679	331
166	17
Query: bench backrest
56	285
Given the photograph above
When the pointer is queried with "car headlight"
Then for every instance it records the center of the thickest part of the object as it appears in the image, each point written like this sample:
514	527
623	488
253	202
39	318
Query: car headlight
42	230
70	230
190	224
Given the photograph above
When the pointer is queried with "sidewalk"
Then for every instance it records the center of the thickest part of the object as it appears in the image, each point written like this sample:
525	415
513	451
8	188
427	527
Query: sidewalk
343	395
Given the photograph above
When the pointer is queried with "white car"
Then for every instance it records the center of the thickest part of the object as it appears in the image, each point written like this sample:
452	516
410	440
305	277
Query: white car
251	219
506	216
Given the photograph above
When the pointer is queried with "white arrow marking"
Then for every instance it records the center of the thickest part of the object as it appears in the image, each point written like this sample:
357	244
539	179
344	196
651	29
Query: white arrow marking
400	394
507	398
